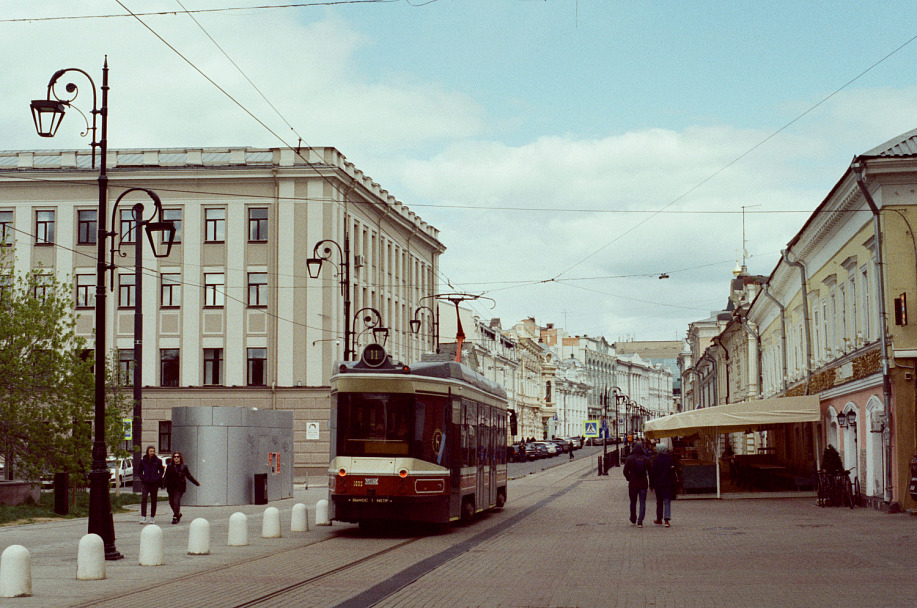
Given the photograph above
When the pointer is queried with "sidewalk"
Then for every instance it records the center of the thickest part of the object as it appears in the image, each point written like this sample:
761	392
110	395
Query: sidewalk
53	548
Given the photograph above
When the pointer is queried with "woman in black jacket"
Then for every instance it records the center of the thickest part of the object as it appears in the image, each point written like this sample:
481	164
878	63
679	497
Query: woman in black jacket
174	483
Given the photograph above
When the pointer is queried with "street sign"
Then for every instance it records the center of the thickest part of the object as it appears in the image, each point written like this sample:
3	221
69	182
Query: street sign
128	428
591	428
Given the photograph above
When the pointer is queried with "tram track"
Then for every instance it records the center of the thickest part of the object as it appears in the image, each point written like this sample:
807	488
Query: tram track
405	576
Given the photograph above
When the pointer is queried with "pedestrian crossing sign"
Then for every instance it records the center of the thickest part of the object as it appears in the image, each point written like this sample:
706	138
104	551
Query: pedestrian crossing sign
591	428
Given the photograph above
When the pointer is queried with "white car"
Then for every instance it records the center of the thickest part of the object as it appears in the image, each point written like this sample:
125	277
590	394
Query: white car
122	471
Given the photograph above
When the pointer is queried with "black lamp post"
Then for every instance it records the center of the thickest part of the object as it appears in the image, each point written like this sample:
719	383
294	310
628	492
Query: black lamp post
48	114
150	227
416	322
372	321
314	267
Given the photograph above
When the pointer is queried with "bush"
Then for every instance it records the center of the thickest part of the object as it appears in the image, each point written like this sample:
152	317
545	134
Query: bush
30	513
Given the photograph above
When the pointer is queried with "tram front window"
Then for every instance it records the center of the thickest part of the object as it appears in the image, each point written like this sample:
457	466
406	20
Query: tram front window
382	424
375	424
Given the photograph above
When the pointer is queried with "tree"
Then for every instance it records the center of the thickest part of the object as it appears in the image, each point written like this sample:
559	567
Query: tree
46	378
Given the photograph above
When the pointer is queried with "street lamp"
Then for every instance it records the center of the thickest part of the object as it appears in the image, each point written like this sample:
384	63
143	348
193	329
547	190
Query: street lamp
48	114
314	267
372	321
416	322
151	227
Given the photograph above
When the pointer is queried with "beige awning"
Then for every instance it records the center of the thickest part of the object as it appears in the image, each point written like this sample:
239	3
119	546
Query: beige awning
736	417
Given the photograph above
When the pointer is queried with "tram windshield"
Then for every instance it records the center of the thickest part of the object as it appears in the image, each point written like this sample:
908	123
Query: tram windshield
392	424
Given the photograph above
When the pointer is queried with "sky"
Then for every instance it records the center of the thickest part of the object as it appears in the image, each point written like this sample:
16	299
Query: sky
570	152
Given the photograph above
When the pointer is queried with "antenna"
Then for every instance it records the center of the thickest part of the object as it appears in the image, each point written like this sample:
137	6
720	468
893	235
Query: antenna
744	241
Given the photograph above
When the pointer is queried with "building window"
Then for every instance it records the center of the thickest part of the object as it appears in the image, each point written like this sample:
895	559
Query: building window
87	227
85	291
170	291
215	225
126	226
168	365
257	289
6	228
174	216
165	435
126	367
43	282
213	366
257	364
127	290
213	289
44	227
257	224
6	286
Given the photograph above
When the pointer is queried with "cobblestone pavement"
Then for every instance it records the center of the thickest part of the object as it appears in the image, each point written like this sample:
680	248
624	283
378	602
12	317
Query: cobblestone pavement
571	545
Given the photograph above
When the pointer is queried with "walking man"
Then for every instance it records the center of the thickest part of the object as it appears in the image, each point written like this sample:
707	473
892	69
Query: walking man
662	481
636	468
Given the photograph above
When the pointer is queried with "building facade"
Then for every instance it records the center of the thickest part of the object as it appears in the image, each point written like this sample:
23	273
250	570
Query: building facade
231	316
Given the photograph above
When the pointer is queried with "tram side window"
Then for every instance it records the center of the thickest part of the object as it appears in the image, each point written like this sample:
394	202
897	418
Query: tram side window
470	433
431	430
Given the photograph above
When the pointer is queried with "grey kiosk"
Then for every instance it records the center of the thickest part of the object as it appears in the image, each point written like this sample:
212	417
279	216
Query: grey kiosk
240	455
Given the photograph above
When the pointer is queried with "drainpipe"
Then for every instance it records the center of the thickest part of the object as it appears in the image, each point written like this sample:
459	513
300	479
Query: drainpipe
782	330
757	338
805	315
858	167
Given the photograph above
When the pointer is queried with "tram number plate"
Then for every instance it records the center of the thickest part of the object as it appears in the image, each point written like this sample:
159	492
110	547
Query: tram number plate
372	481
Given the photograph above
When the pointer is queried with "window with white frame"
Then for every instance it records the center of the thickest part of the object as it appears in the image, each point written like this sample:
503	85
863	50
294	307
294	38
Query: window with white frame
170	290
6	228
214	225
126	226
44	227
127	290
87	226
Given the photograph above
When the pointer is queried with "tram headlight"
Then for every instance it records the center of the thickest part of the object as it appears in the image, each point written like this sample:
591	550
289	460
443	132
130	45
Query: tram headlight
342	472
403	473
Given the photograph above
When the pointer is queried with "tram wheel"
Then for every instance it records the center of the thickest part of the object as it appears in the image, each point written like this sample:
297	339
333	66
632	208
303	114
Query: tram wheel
468	510
501	498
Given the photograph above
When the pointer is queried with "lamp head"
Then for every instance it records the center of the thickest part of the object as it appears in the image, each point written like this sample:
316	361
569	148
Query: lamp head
314	267
415	326
842	420
47	115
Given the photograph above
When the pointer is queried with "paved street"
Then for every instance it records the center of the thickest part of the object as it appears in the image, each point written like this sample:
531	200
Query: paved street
563	540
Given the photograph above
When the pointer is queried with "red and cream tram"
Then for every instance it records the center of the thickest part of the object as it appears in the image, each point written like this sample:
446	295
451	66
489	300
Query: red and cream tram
424	443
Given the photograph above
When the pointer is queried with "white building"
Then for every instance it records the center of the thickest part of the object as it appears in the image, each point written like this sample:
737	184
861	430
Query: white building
231	316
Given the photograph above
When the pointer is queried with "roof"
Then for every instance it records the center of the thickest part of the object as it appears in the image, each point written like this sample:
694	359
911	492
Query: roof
737	417
901	145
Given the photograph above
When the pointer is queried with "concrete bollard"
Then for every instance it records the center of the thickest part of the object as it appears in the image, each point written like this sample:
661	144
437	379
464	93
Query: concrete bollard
321	513
15	572
199	537
90	558
299	522
151	549
238	530
270	526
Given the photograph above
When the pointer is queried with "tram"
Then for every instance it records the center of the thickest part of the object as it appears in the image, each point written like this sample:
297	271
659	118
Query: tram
418	443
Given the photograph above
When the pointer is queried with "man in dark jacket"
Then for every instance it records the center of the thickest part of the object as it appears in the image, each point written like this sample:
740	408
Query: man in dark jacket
150	477
636	468
662	481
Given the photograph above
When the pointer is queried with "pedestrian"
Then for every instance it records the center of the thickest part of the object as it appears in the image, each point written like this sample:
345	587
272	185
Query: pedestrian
636	468
571	450
174	483
662	482
151	470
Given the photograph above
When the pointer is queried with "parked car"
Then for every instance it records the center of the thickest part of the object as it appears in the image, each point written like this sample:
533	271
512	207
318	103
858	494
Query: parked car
531	451
515	453
550	446
122	471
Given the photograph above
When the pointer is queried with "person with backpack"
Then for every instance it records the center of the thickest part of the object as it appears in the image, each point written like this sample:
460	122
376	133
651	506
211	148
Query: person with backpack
662	482
636	468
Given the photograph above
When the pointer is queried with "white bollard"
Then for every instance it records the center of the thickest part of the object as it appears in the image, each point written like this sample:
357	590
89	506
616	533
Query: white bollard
321	513
299	521
15	572
151	550
270	526
199	537
90	558
238	530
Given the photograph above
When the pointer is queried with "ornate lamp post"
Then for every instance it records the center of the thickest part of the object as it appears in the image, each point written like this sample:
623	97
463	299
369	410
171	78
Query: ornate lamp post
416	323
151	227
314	267
48	114
372	321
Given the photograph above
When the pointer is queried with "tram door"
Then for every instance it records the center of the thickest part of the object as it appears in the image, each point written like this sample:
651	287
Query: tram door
481	455
492	434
